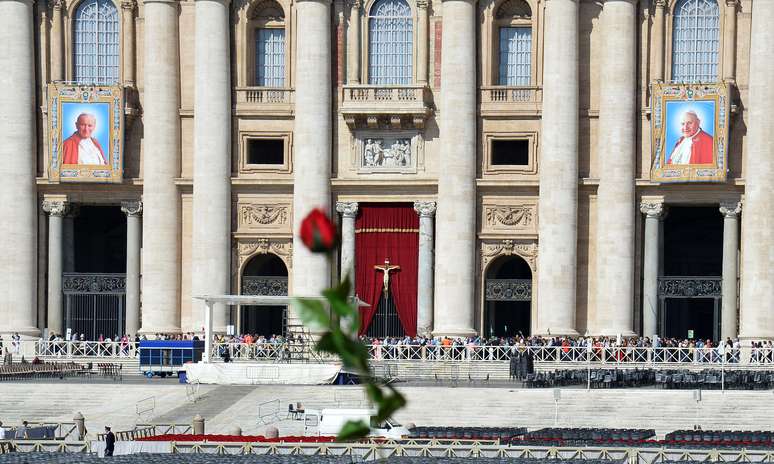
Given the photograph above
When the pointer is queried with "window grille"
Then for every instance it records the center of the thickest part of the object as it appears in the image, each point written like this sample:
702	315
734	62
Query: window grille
270	57
695	41
515	55
96	43
390	43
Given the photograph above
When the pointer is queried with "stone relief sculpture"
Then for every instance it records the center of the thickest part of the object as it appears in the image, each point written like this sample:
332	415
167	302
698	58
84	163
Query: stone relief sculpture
387	153
514	216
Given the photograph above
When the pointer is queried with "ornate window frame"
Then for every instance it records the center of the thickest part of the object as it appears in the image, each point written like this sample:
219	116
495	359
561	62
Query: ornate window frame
531	168
248	168
490	37
669	39
69	34
366	43
249	20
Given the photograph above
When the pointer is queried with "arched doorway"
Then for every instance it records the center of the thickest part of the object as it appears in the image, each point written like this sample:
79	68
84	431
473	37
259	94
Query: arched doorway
508	298
264	275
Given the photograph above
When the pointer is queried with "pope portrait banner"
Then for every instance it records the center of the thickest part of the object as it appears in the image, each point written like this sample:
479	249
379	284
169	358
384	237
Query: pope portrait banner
85	133
690	132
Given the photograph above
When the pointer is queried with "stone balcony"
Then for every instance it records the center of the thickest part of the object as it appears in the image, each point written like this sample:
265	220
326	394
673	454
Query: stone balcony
264	101
374	106
501	100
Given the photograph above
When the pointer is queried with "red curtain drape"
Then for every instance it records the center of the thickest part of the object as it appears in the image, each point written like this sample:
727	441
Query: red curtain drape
387	230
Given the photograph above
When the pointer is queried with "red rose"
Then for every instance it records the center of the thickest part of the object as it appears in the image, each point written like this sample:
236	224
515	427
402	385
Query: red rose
318	232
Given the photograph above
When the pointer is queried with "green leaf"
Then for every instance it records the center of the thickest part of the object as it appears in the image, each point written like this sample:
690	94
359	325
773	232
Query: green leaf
313	312
338	297
389	404
352	430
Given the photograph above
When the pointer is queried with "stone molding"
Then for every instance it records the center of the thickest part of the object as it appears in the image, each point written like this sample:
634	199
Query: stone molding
265	215
132	207
653	209
512	217
56	208
730	209
246	248
493	250
425	208
347	209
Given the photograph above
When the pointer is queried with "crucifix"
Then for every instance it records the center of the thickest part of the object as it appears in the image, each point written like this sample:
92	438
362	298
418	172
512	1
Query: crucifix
386	268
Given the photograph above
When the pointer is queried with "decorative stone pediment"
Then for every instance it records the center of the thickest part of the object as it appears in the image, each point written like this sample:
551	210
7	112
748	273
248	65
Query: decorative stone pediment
265	215
493	250
246	248
513	9
511	216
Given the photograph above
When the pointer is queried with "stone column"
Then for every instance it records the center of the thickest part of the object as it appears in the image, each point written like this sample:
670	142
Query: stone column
615	196
57	42
42	269
558	225
56	211
212	159
348	214
654	213
756	315
456	217
658	39
18	207
729	42
730	212
426	211
133	211
422	41
161	166
312	139
127	16
353	59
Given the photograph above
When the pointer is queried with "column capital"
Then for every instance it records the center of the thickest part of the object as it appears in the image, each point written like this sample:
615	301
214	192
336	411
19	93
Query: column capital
425	208
56	207
132	207
57	5
347	209
355	4
660	4
128	5
423	4
653	209
730	209
732	3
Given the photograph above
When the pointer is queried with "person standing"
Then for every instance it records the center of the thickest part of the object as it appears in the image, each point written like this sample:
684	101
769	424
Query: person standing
110	441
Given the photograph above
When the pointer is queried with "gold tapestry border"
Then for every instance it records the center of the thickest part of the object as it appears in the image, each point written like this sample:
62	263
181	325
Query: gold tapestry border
368	230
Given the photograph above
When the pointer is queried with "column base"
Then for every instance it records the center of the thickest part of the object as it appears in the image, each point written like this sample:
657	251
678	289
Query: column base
26	333
159	330
556	332
613	333
454	332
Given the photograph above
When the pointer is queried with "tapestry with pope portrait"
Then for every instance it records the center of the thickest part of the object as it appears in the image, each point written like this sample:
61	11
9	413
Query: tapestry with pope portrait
85	133
689	125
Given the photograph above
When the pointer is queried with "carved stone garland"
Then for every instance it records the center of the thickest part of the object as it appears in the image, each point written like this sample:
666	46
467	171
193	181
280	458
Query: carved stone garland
249	247
491	251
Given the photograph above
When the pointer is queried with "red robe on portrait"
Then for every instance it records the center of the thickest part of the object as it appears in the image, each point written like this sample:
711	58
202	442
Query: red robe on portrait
702	148
70	149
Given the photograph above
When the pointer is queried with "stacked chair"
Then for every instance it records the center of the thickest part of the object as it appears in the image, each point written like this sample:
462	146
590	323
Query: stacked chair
719	439
502	434
584	437
19	371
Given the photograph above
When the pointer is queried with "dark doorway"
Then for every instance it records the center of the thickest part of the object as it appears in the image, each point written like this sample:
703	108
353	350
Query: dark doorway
100	239
693	248
264	275
386	323
508	298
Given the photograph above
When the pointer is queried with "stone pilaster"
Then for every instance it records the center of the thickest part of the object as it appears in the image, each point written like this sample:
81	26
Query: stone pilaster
128	8
18	207
615	197
56	211
456	217
133	211
730	211
422	41
426	211
348	213
558	226
57	41
658	39
729	41
311	139
654	214
353	58
211	239
756	315
161	166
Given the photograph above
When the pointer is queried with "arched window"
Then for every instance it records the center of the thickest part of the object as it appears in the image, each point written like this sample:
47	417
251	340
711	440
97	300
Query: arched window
96	43
270	46
512	19
695	41
390	43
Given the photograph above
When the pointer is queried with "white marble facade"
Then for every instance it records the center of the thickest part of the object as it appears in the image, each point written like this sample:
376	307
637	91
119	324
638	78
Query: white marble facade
579	208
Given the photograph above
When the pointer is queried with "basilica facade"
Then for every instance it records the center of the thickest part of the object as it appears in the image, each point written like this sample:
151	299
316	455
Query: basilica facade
496	166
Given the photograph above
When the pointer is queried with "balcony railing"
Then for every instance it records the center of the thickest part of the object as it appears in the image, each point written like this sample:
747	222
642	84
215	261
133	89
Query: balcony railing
264	100
380	104
511	100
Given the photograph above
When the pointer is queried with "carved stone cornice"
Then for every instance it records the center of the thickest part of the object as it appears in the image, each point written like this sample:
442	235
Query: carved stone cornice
425	208
491	251
132	208
730	209
56	207
653	209
347	209
248	247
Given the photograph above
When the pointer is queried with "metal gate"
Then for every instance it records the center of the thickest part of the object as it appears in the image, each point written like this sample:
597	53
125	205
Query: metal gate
263	286
690	287
95	304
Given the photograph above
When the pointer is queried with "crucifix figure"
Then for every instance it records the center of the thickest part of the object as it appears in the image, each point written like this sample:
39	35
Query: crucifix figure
386	268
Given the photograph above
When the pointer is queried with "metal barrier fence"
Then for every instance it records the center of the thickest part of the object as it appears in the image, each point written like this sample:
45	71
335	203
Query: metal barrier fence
571	355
